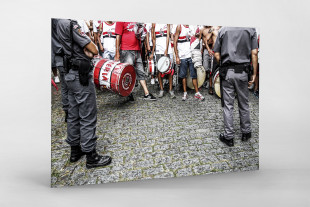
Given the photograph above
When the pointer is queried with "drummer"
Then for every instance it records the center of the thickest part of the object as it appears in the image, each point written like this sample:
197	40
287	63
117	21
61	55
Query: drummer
127	50
183	57
161	40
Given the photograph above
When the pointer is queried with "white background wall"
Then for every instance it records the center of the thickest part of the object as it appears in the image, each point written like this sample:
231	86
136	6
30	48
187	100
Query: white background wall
284	175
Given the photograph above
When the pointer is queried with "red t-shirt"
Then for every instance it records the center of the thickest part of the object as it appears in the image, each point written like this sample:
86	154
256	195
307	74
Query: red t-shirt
128	39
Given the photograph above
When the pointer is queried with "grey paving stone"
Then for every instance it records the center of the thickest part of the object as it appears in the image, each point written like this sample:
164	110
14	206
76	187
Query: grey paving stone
202	169
166	138
184	172
153	171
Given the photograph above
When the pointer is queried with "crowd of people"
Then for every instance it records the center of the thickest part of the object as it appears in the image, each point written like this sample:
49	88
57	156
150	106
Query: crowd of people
183	45
75	43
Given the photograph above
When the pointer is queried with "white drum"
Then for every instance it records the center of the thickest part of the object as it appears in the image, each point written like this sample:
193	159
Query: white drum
216	83
164	64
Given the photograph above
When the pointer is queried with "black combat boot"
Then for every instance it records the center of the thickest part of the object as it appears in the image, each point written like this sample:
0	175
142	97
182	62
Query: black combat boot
228	142
76	153
93	159
246	136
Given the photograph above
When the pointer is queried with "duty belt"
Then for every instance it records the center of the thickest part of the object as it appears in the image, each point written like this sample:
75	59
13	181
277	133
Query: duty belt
238	67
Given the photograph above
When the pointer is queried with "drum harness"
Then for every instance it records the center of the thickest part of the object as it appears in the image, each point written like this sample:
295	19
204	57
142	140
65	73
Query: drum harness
238	68
82	66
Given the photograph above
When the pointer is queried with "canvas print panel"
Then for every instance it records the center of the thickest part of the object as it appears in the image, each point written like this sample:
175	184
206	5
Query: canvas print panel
136	101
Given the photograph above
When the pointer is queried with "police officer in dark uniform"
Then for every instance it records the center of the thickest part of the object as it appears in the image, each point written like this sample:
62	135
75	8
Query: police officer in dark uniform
234	49
82	113
57	61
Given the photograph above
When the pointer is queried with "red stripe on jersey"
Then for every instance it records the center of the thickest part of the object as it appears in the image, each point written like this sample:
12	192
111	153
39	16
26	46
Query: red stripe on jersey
165	32
104	33
182	37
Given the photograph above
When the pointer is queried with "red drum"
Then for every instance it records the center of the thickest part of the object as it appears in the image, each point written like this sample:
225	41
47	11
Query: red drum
96	59
151	67
114	76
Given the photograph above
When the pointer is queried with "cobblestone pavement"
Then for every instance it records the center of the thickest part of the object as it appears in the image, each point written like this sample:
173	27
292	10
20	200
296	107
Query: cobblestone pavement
160	139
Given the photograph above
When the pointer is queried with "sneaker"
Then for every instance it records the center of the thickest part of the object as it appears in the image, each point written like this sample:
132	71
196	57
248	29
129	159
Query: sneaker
172	94
149	97
161	94
184	97
57	79
199	96
152	81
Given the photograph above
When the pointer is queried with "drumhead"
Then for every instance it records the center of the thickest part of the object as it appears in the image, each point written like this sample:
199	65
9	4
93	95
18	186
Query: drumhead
163	64
216	83
201	76
123	79
115	76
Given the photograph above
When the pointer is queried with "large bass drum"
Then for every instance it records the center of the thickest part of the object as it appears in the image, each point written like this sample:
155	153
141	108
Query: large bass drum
117	77
216	82
201	76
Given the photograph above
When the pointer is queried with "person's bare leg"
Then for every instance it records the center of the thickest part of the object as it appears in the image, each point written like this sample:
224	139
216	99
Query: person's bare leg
160	80
143	84
195	83
54	71
210	81
170	82
184	84
256	83
210	85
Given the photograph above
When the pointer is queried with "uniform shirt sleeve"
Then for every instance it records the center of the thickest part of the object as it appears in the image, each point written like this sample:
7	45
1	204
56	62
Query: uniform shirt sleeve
218	43
254	43
81	39
119	27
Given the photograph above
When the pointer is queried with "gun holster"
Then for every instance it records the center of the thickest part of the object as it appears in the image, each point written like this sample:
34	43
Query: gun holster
83	67
67	63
